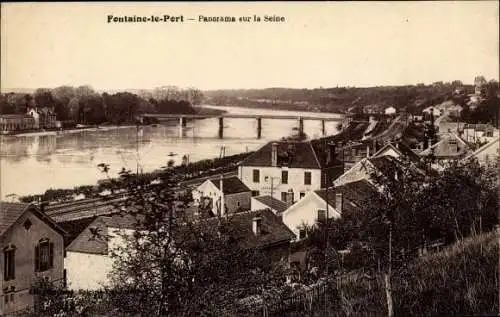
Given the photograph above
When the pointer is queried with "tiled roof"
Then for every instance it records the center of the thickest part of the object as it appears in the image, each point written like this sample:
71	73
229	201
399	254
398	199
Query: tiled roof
356	194
75	227
274	231
290	153
272	202
88	242
484	147
9	213
443	148
231	185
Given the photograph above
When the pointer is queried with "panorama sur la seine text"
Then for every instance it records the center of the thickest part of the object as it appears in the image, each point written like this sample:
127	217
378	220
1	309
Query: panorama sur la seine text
200	18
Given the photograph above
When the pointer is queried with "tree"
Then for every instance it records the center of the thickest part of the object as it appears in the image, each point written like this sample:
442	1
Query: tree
172	263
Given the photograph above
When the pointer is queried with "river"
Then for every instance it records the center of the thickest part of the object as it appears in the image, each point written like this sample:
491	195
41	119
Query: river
35	163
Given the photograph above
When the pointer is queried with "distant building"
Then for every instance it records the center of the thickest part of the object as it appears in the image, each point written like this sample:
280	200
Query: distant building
373	109
44	117
488	153
390	111
435	111
287	170
474	133
32	248
16	122
236	195
480	84
449	148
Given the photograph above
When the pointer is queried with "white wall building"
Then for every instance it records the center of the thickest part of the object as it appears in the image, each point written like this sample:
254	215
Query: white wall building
311	209
287	170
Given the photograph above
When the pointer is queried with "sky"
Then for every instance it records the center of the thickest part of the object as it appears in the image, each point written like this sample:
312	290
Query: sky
322	44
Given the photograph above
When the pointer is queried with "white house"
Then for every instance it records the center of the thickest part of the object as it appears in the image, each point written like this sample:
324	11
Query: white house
312	209
348	198
88	261
234	194
434	110
390	111
488	153
479	133
287	170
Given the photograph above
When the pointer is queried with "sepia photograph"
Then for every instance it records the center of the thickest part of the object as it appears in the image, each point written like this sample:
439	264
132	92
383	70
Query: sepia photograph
255	159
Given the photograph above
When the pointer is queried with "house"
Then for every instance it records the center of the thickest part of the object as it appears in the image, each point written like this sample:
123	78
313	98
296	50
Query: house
488	153
287	170
235	194
16	122
449	147
321	204
474	133
364	170
398	150
267	202
32	248
372	109
432	110
88	257
45	118
390	111
315	207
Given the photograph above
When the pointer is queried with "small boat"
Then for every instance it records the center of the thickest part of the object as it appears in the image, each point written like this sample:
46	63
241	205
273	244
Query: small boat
171	154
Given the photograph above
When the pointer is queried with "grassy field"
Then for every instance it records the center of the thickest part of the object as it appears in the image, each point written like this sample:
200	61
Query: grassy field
461	280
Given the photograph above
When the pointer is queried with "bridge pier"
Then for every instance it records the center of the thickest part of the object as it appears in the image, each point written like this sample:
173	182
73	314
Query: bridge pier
301	126
182	121
259	127
323	129
221	127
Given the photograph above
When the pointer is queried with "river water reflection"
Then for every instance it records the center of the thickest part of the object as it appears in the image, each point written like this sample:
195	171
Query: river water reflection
32	164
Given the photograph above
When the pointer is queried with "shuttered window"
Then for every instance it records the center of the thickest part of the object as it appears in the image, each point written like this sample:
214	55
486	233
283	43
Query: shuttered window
9	256
44	255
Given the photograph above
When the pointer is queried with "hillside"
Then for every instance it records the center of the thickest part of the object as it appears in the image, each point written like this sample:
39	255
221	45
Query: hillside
335	99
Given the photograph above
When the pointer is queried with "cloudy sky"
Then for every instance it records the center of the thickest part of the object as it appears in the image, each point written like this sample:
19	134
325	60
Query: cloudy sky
319	44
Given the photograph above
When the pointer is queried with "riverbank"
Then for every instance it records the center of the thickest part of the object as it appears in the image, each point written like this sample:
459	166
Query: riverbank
199	110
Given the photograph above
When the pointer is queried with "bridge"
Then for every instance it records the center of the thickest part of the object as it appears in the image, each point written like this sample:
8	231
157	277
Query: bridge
182	120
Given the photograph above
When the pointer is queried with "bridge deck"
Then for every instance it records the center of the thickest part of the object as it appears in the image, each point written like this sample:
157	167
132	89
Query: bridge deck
242	116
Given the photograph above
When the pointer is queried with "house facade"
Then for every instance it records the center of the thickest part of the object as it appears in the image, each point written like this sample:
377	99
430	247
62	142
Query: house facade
488	154
288	170
233	193
448	148
312	209
32	248
16	122
474	133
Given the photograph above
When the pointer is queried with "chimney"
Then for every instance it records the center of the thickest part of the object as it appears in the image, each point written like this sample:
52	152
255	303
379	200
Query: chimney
257	225
368	150
274	154
339	201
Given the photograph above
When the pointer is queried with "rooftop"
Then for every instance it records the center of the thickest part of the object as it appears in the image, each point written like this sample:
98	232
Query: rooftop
290	153
231	185
272	202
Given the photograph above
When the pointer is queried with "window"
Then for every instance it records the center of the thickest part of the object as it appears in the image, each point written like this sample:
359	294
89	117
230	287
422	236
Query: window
255	193
9	256
44	255
256	176
321	215
283	196
301	195
307	178
302	233
284	177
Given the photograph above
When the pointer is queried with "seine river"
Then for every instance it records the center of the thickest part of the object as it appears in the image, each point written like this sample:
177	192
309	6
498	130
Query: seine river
35	163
